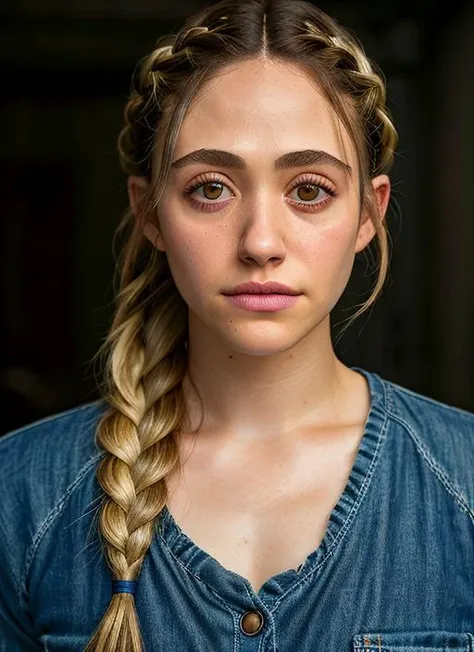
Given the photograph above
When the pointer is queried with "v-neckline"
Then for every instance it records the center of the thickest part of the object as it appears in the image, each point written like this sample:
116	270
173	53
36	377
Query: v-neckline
230	584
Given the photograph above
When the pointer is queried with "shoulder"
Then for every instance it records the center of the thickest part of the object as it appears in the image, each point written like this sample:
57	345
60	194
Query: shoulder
41	465
58	445
442	434
442	425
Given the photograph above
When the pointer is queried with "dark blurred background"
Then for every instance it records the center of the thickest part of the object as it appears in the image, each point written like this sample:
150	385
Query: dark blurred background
65	70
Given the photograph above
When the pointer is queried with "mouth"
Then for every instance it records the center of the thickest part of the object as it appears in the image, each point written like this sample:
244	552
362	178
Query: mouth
267	289
263	302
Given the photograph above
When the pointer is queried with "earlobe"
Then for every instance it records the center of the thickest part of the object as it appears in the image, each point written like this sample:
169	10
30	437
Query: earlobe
137	190
365	234
381	187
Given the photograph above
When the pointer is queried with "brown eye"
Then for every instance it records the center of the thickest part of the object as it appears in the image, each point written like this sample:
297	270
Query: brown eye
212	190
208	194
308	192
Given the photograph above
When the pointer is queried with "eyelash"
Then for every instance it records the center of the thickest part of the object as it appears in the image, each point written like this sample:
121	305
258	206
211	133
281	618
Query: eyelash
306	179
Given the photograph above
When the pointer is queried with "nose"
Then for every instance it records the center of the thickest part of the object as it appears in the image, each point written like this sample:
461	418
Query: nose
262	230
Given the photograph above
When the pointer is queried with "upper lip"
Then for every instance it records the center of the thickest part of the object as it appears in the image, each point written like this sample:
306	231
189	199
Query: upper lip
261	288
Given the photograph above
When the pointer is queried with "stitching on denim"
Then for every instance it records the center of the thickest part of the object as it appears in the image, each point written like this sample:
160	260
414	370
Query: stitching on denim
350	517
363	643
254	599
441	473
235	620
227	606
333	544
470	640
270	632
258	603
198	577
50	518
389	397
249	595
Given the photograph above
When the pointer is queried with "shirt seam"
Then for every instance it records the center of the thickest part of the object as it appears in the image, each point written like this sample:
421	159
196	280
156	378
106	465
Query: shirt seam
198	577
226	606
350	518
439	471
43	528
364	488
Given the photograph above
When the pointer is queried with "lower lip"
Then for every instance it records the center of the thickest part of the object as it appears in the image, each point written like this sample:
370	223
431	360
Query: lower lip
263	302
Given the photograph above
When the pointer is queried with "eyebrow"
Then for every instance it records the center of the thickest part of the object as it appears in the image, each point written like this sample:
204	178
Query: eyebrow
290	160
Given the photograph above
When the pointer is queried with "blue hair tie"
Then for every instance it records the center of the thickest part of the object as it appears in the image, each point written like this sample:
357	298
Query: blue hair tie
124	586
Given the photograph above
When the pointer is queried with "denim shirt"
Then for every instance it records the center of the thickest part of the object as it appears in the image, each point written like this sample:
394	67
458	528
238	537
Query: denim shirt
394	571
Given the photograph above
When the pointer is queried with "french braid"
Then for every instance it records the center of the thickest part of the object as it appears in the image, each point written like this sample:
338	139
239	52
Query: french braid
366	87
146	354
363	87
145	368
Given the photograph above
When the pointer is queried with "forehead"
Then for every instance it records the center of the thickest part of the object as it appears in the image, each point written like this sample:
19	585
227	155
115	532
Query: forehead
261	107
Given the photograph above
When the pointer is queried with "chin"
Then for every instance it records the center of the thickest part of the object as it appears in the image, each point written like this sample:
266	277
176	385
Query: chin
262	352
264	343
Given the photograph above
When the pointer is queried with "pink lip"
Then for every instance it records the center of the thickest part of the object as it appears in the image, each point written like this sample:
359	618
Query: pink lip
263	302
270	287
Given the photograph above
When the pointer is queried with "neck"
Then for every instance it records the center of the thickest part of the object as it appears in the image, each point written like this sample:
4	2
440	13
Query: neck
249	398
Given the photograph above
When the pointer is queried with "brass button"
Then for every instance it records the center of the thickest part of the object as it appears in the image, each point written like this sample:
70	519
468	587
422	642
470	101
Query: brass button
251	622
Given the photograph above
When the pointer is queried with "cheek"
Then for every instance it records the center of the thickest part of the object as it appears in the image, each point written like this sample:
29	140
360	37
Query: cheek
330	256
333	243
190	259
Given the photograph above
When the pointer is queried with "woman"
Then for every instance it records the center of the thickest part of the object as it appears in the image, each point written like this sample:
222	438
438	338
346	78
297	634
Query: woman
239	487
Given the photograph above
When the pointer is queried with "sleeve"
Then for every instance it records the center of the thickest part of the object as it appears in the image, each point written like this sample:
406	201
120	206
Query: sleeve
16	633
34	476
16	626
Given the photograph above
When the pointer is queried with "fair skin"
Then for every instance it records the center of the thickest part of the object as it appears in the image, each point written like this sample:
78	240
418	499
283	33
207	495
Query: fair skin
283	417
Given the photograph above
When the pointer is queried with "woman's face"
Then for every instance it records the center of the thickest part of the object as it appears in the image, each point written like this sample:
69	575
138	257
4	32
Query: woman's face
252	215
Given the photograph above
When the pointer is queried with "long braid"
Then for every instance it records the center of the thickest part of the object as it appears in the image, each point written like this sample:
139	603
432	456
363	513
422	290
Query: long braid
145	408
146	346
145	369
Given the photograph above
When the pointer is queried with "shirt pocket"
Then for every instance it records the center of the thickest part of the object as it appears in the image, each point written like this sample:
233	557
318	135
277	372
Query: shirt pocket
433	641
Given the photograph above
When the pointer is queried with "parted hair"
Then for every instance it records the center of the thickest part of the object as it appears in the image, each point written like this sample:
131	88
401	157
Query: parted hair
145	352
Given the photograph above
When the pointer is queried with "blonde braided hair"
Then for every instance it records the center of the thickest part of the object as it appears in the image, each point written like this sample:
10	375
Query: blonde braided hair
364	92
146	348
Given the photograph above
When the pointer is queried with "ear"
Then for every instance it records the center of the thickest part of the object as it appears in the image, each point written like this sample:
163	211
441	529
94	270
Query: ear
137	190
381	187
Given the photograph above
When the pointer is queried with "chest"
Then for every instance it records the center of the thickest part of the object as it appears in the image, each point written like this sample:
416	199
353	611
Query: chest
258	521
